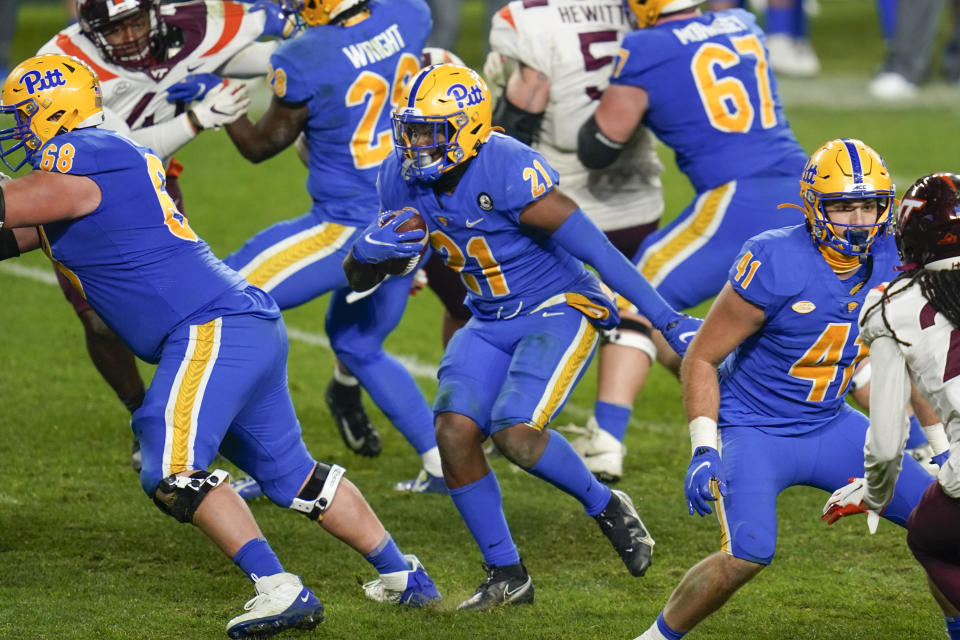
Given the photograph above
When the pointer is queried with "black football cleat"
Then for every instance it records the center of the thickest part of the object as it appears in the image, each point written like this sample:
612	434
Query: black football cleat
352	421
621	524
509	584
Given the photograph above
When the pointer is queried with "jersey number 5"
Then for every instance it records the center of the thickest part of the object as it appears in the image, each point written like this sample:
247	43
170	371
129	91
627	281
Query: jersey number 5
726	101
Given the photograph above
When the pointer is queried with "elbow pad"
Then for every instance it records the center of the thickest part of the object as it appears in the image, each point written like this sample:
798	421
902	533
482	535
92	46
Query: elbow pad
595	150
8	244
522	125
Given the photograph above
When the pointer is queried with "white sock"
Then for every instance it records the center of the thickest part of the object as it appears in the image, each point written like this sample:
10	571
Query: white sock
431	462
653	633
344	378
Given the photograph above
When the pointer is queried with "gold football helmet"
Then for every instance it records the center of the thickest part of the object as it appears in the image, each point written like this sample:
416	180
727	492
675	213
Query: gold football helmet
648	12
320	12
845	169
441	121
47	95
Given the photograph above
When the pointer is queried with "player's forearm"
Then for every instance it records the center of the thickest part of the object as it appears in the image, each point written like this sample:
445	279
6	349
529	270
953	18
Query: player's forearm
701	391
167	137
889	396
252	142
251	62
42	197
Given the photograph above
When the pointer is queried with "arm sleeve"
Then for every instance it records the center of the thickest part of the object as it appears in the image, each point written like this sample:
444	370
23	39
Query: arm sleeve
583	239
251	61
165	138
887	435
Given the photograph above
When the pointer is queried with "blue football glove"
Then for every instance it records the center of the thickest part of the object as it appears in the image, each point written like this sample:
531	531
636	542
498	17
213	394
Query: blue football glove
679	332
381	241
940	458
282	20
705	467
194	87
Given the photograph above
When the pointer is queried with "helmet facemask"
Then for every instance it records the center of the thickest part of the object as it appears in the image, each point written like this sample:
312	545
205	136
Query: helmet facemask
138	53
428	144
851	239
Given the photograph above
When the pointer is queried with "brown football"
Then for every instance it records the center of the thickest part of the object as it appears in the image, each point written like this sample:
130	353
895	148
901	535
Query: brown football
403	266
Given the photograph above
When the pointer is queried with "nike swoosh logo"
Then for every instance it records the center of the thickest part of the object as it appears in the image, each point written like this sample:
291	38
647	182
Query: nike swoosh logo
305	597
193	67
473	223
686	337
694	472
547	314
510	595
350	438
367	238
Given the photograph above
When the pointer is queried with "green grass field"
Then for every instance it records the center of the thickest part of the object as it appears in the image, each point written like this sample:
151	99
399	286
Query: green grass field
86	555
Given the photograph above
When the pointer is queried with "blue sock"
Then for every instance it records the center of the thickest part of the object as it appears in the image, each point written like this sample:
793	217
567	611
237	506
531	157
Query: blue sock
798	21
257	559
562	467
612	418
386	558
779	20
953	627
917	437
396	394
666	630
480	507
888	17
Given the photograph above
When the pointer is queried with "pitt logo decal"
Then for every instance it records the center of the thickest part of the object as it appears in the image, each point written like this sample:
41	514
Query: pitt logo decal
809	175
466	97
803	306
33	81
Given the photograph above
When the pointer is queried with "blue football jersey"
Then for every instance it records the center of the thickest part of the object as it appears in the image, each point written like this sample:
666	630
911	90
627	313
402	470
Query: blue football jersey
135	258
508	269
791	376
363	68
707	77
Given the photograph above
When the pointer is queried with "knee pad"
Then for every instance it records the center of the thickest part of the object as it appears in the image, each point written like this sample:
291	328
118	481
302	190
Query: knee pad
188	492
316	496
634	334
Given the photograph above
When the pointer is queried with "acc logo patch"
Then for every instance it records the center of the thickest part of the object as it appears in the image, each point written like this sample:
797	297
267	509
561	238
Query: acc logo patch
803	306
484	201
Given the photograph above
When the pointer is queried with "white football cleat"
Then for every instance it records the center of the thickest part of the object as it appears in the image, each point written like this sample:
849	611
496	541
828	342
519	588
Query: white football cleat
791	57
601	452
892	86
413	587
282	602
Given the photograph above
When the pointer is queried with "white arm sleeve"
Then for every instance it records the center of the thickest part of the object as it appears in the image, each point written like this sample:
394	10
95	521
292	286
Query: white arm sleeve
252	61
165	138
887	435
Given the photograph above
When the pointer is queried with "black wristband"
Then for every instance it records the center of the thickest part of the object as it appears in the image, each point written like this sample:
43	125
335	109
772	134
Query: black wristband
522	125
194	122
8	244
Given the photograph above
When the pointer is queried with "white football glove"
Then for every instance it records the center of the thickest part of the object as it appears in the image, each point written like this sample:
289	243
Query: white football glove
495	70
847	501
223	104
4	177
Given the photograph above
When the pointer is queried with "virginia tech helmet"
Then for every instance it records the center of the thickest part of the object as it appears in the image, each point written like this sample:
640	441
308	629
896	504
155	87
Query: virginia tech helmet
99	18
928	223
442	119
648	12
47	95
320	12
845	169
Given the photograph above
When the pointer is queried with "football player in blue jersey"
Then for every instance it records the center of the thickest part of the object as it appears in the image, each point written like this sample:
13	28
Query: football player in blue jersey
702	84
337	83
96	204
495	214
784	334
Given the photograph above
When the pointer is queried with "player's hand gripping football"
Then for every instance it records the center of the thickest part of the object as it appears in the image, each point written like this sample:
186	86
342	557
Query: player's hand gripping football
705	469
847	501
680	331
223	104
381	241
194	87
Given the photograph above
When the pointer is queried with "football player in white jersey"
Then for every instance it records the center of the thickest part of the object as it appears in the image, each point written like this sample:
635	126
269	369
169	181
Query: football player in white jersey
140	50
911	326
562	56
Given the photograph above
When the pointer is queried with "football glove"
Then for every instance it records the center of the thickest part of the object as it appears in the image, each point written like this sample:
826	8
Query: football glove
847	501
4	177
225	103
381	241
680	331
281	19
194	87
705	468
495	70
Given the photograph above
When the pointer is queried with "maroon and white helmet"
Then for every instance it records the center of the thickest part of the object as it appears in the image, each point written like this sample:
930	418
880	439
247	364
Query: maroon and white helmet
928	223
99	18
